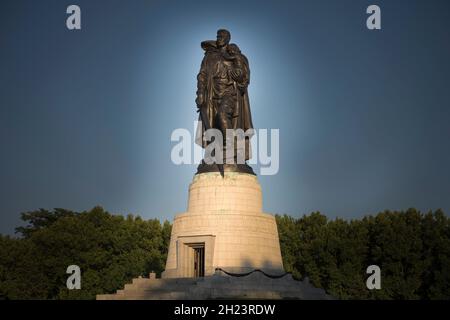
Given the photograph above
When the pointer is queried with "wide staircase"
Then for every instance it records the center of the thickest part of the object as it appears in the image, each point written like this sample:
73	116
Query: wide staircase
218	286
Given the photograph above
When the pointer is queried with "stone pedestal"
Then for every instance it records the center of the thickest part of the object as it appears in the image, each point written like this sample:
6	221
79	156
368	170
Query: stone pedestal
239	248
225	216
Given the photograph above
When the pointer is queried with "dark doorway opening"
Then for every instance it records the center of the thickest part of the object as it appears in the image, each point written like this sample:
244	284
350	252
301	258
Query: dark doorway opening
199	261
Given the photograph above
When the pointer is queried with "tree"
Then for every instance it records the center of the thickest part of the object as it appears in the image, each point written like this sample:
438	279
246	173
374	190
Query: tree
436	254
110	251
412	250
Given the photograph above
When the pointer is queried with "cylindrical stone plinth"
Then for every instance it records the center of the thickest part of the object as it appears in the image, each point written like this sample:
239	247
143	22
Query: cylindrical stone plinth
225	215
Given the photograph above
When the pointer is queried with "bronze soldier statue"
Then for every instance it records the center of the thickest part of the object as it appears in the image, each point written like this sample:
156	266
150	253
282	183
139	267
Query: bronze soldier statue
222	97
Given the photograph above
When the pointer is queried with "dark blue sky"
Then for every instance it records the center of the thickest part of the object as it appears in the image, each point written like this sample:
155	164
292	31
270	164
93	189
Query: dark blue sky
86	116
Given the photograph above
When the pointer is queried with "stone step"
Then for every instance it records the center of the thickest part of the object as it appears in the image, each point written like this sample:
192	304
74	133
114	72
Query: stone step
216	287
167	286
154	295
165	280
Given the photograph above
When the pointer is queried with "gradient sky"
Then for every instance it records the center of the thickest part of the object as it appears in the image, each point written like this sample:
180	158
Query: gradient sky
86	116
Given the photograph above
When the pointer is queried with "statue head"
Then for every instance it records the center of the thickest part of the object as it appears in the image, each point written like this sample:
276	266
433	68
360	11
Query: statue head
223	38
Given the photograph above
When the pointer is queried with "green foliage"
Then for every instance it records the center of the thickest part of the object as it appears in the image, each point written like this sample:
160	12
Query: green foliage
412	250
110	250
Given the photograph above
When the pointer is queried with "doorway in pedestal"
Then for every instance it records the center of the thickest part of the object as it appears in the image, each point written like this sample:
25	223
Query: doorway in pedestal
194	256
199	260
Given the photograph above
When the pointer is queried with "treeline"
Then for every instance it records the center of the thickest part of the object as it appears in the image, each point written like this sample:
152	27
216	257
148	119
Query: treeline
109	249
412	249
